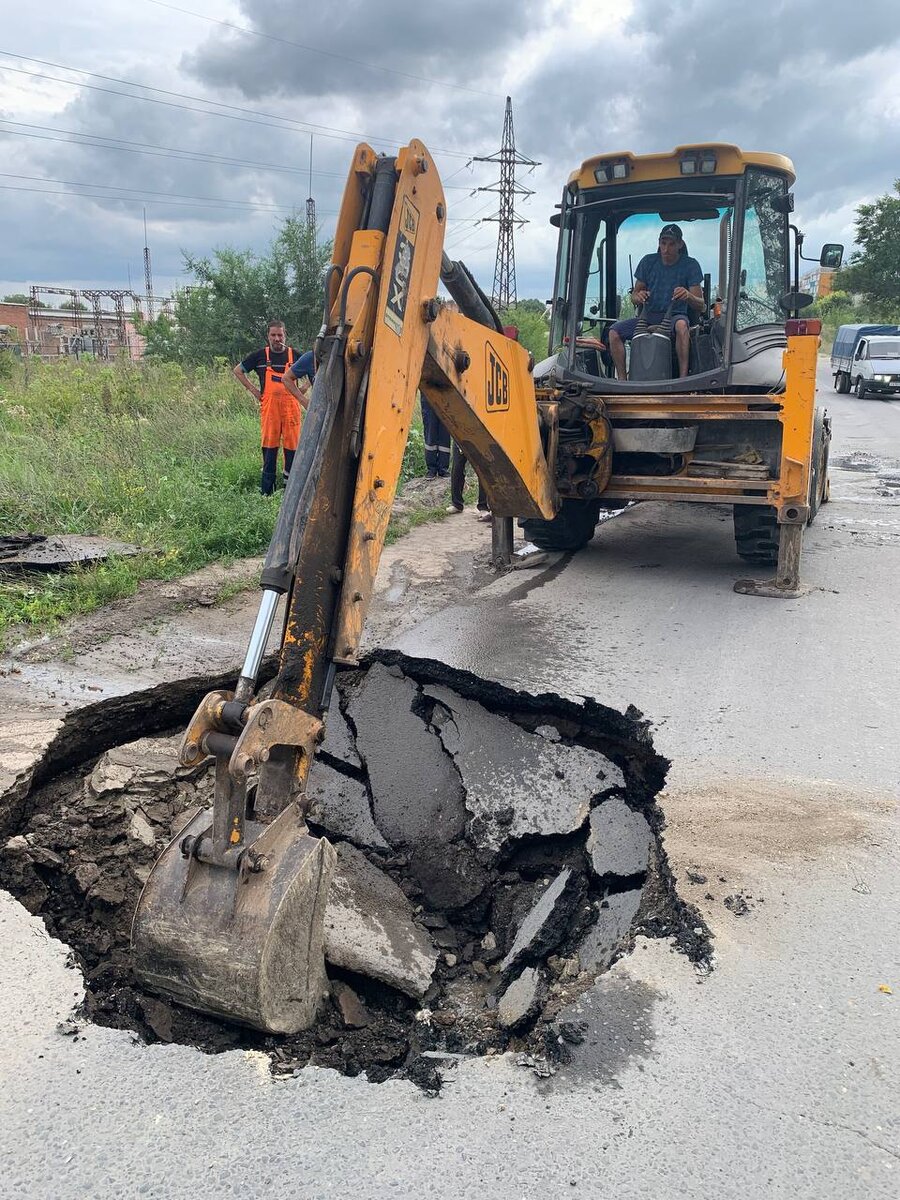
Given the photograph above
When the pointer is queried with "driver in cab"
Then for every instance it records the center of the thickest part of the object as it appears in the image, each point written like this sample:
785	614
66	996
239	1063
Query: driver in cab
669	275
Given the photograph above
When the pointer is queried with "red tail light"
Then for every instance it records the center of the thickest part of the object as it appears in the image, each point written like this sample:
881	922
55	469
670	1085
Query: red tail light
801	327
512	331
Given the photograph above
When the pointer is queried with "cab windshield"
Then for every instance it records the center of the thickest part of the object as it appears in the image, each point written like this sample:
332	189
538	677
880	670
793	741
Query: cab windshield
607	293
885	349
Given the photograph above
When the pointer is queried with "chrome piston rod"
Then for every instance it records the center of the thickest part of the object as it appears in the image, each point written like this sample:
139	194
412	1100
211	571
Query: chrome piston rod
256	647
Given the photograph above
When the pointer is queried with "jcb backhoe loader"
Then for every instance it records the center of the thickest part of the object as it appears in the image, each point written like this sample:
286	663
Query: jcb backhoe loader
230	921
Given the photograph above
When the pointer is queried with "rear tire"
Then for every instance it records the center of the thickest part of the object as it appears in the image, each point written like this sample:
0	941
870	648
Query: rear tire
818	467
756	533
571	528
860	389
842	383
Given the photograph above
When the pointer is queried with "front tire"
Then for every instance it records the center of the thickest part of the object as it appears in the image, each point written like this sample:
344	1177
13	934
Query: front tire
860	389
756	533
571	528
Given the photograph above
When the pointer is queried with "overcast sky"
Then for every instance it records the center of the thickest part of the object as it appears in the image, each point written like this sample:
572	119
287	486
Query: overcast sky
232	90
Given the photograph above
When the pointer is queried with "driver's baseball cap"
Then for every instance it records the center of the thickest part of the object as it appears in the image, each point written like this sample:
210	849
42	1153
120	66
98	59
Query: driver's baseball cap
671	231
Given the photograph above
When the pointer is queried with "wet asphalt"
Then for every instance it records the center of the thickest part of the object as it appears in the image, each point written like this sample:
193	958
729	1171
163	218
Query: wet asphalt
776	1076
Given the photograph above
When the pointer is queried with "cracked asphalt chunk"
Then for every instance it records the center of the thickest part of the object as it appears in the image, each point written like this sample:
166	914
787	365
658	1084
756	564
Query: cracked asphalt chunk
545	925
518	784
369	926
339	741
609	932
619	840
339	805
416	793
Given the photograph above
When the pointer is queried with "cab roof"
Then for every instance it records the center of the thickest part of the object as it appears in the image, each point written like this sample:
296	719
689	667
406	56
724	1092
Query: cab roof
730	160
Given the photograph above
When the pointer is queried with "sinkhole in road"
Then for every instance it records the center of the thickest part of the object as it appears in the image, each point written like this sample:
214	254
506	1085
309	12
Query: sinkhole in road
497	851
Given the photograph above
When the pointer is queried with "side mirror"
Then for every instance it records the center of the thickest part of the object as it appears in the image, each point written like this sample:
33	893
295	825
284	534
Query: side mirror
832	256
794	301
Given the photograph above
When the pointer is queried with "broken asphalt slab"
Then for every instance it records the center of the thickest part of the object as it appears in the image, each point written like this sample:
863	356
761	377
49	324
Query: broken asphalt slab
521	1000
417	797
610	931
339	805
518	783
369	927
619	840
546	924
62	551
416	792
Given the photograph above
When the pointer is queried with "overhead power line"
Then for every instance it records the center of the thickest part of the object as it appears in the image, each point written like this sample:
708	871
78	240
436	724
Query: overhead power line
146	192
317	50
234	112
102	141
104	191
224	206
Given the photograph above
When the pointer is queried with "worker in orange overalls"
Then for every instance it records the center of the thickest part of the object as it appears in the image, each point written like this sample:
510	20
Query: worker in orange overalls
281	413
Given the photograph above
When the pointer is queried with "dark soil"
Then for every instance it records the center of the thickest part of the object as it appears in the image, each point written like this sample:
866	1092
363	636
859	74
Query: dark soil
83	845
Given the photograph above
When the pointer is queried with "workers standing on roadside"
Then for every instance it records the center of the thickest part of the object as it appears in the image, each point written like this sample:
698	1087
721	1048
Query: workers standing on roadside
457	487
280	411
437	442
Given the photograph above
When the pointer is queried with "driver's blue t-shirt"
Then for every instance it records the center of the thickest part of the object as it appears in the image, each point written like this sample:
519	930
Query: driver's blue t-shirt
662	281
305	365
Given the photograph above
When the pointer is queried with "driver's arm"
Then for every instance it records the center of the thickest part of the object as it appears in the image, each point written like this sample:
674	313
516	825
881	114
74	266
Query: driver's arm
693	295
640	293
299	388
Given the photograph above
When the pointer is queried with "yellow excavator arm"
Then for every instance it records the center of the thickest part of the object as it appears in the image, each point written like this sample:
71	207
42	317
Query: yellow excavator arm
230	920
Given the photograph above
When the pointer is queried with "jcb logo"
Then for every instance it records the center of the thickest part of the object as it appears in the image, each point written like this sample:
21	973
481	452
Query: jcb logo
497	389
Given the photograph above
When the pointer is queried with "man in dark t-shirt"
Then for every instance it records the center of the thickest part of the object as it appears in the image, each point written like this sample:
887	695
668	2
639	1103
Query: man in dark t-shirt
669	276
280	412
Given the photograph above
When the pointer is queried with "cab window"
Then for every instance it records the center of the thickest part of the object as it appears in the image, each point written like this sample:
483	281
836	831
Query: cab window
764	267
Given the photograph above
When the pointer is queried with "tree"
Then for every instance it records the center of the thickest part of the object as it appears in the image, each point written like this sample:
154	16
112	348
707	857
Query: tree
15	298
224	313
874	269
529	318
73	306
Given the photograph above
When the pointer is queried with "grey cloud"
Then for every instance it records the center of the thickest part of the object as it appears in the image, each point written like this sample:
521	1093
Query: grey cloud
792	78
785	78
461	44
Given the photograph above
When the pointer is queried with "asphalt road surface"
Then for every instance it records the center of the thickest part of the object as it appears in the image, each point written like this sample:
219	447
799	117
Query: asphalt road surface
775	1076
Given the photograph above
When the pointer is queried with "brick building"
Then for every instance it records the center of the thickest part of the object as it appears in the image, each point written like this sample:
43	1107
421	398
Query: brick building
13	325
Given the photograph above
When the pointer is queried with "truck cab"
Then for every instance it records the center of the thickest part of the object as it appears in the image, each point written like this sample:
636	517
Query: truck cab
733	208
875	366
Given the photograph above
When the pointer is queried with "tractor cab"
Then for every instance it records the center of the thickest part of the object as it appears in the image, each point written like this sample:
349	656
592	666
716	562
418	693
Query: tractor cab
733	210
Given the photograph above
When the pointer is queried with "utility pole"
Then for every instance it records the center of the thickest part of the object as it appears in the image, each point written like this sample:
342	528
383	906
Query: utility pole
310	202
148	274
503	294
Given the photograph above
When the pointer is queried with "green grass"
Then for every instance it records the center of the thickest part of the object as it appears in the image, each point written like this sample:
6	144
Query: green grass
150	453
147	454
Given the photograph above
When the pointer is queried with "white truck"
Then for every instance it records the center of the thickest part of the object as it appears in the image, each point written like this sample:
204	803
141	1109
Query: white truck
866	358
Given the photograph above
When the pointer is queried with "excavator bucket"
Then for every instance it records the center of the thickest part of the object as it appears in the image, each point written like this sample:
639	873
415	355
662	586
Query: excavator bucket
244	942
231	919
